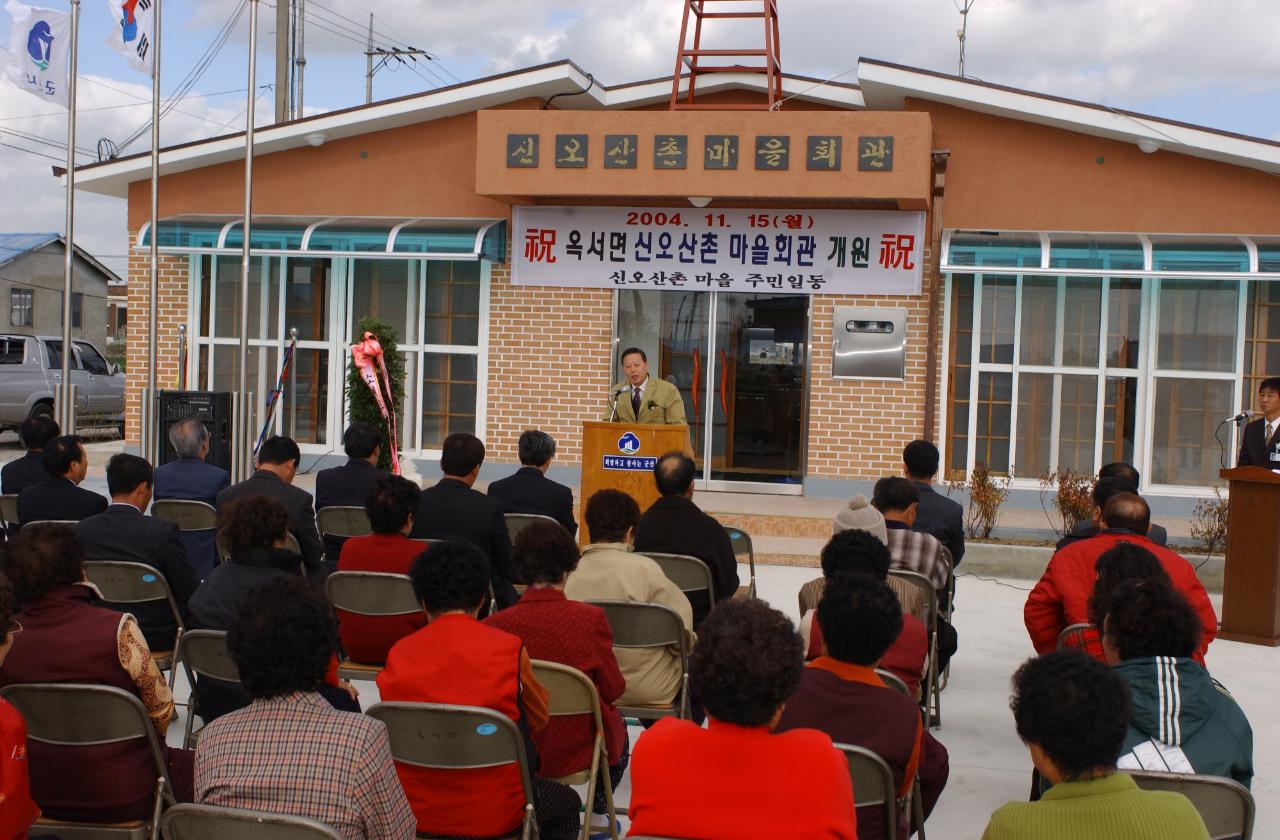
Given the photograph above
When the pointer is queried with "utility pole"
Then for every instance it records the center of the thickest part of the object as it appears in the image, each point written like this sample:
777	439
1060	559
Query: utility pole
283	87
368	65
299	55
385	55
964	27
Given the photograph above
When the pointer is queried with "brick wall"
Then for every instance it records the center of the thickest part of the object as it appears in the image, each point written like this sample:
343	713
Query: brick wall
172	310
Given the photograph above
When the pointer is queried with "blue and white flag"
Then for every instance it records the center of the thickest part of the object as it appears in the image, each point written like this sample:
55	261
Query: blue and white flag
38	48
134	32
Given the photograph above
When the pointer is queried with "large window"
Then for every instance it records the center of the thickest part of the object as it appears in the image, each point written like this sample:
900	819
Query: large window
20	306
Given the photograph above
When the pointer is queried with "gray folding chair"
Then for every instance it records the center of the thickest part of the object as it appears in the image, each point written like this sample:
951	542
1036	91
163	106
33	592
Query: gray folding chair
1074	637
441	737
741	541
873	785
636	626
203	653
932	695
124	582
9	508
291	543
427	542
687	572
187	514
372	594
208	822
517	522
77	714
893	681
1225	805
54	522
343	521
572	694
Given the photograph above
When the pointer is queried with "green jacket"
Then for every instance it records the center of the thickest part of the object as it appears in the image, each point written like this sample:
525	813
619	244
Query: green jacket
1183	722
1109	808
662	403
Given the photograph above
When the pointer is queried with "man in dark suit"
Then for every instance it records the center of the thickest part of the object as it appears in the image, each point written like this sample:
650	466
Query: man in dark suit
350	483
451	510
1114	478
58	497
1260	442
191	478
675	525
529	490
122	532
937	515
21	473
277	465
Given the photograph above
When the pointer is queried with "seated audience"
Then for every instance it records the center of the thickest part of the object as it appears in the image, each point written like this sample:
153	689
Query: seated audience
191	478
736	778
1071	712
1124	562
674	525
59	497
123	532
936	514
841	695
457	660
66	638
861	516
390	505
1061	596
19	810
350	483
452	510
529	490
22	472
278	460
912	551
1180	719
555	629
857	552
289	751
1119	475
610	571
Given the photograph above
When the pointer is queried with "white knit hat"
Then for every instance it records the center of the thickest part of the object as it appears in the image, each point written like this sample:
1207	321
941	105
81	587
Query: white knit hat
861	516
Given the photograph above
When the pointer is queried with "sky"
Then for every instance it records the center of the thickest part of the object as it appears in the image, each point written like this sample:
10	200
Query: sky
1214	64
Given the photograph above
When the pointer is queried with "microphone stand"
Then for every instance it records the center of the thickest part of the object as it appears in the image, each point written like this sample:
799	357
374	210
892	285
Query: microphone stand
614	412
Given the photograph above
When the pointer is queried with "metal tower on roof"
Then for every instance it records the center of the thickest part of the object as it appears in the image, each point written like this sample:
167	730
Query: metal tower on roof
699	62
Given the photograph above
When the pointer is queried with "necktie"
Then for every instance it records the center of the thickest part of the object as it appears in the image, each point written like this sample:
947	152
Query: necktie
635	401
1270	431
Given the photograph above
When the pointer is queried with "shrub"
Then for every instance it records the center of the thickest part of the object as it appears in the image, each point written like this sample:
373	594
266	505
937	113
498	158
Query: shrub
1072	500
986	495
1209	523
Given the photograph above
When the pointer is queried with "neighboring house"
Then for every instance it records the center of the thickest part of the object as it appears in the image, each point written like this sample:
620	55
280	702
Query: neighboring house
117	311
31	274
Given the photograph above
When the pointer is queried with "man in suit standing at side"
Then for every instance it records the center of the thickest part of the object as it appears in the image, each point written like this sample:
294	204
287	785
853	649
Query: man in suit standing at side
451	510
350	483
58	497
21	473
936	515
122	532
529	490
191	478
642	398
1260	443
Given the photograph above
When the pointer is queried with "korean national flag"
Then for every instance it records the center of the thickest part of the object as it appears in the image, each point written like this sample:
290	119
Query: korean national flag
134	32
38	45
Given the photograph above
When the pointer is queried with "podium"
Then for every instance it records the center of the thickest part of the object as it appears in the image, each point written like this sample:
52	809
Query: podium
1251	588
621	456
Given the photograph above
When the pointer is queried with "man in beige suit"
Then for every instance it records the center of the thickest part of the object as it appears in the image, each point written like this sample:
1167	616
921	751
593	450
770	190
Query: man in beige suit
642	398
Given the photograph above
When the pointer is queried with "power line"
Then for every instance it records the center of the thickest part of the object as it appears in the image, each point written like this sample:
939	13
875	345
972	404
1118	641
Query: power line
62	161
138	104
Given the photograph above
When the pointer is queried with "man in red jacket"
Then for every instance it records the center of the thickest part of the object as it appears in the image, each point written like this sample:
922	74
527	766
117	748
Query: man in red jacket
1061	597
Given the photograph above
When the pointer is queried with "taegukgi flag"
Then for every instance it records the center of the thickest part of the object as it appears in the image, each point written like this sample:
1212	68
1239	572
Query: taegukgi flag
38	45
134	32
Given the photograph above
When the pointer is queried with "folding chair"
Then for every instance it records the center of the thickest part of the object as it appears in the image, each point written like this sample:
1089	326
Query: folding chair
203	653
894	681
427	542
637	625
572	693
441	737
78	714
208	822
343	521
1074	637
932	698
687	572
54	522
291	543
124	582
187	514
372	594
9	508
517	522
1225	805
947	607
741	541
873	785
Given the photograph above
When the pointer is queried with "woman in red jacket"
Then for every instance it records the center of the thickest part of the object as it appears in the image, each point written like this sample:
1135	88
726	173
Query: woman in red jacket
19	811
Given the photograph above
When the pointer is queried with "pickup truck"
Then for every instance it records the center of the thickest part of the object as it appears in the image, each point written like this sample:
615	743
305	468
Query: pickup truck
30	368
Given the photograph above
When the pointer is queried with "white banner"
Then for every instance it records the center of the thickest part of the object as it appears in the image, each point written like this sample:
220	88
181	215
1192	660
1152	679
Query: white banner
38	46
865	252
134	33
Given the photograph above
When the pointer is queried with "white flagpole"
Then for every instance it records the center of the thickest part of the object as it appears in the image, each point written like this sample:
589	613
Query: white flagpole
150	431
243	443
66	393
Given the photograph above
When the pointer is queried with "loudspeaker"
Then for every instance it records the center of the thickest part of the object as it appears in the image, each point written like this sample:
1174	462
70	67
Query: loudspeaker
211	408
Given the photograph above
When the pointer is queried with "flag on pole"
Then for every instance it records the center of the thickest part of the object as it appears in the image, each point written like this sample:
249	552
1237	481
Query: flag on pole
38	47
134	33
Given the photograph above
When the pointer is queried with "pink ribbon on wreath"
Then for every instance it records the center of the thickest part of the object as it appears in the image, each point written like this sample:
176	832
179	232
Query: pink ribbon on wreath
365	355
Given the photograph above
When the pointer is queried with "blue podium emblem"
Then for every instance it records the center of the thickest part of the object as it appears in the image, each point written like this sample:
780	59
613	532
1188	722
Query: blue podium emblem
629	444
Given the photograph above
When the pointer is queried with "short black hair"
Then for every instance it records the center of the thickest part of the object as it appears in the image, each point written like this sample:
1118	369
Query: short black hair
674	472
126	472
252	522
545	553
1074	708
452	575
855	550
361	439
37	430
536	447
1123	561
42	557
8	606
461	453
392	500
894	493
623	355
1129	511
282	638
1146	618
610	514
1271	383
61	452
1105	488
747	662
921	458
1119	469
860	618
279	449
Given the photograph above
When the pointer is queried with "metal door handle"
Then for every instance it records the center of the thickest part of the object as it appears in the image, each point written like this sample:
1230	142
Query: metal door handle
697	379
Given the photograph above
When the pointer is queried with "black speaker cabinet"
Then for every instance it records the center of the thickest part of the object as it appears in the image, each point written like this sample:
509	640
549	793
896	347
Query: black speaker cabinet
211	408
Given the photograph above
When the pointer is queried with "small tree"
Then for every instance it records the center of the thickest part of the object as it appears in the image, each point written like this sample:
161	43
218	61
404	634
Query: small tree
1209	523
1072	499
986	495
364	407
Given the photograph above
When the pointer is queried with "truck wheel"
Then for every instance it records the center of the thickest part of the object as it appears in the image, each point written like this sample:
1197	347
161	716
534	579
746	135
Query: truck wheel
42	409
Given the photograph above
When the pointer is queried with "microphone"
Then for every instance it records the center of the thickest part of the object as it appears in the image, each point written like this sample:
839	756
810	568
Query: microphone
613	413
1239	418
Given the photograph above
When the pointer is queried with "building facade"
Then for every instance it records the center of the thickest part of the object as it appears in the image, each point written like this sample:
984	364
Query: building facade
32	267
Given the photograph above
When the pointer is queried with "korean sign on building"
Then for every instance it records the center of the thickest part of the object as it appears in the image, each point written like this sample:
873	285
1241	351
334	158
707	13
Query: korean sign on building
867	252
